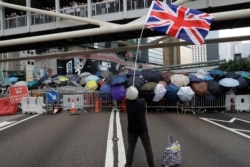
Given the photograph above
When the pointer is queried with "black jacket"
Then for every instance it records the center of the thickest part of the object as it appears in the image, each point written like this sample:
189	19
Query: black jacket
136	114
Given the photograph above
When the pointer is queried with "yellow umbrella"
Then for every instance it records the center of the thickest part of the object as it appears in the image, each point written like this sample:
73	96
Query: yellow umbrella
63	79
91	85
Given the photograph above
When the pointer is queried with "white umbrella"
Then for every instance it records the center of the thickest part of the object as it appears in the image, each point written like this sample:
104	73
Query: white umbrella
21	83
160	92
185	93
229	82
179	80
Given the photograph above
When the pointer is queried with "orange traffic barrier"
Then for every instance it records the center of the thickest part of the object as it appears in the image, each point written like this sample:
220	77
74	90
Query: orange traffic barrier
97	107
73	108
56	110
123	105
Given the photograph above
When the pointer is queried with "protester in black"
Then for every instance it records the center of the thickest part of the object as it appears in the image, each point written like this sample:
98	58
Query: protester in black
137	126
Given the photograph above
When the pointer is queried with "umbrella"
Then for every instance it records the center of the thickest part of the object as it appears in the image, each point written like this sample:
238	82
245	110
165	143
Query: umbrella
217	72
21	83
185	93
193	78
105	92
134	72
33	84
243	84
138	82
91	85
215	88
242	73
118	92
151	76
118	79
166	76
149	86
179	80
160	91
11	79
232	74
75	78
199	88
47	81
105	74
91	78
63	79
171	93
229	82
85	74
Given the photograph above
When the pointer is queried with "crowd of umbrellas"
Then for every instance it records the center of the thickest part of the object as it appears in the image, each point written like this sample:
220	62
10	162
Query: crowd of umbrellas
152	85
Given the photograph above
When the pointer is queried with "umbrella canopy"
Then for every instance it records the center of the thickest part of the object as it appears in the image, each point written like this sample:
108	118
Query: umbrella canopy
91	78
63	79
171	93
229	82
105	74
85	74
199	88
160	91
21	83
75	78
33	84
138	82
134	72
243	84
185	93
91	85
149	86
166	76
105	92
179	80
194	78
118	92
232	74
151	76
11	79
118	79
215	88
217	74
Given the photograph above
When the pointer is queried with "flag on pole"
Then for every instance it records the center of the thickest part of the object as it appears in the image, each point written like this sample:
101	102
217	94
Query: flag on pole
178	21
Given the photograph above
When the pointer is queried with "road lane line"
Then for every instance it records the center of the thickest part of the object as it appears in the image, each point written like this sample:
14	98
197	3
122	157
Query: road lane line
2	124
109	159
18	122
121	149
230	129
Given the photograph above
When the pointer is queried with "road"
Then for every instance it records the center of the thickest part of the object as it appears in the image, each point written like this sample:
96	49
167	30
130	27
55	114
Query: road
100	139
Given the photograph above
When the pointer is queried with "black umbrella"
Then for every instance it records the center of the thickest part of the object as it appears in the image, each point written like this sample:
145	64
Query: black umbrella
151	76
148	95
138	82
232	74
215	88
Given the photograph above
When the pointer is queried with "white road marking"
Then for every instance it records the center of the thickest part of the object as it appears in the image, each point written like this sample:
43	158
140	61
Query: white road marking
121	148
227	128
18	122
2	124
109	159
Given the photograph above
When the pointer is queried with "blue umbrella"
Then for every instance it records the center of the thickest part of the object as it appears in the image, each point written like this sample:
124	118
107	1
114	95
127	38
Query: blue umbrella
91	78
194	78
216	72
118	92
11	79
118	79
171	93
105	92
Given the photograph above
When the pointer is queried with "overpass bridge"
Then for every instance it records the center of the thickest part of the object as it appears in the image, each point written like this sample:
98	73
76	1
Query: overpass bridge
91	23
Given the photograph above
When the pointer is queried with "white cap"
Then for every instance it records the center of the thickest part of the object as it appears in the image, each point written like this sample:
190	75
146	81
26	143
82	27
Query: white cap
131	93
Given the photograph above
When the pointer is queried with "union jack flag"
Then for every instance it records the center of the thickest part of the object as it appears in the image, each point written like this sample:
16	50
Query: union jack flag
180	22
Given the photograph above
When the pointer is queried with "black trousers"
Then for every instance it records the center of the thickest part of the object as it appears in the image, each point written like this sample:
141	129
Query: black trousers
132	140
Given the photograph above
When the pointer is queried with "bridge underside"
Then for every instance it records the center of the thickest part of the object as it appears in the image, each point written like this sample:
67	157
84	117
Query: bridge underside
217	25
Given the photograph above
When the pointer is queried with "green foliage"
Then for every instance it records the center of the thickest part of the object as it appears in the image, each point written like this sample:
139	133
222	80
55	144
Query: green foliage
236	65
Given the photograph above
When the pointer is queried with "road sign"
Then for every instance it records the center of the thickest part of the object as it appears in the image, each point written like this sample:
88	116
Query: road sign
17	92
52	96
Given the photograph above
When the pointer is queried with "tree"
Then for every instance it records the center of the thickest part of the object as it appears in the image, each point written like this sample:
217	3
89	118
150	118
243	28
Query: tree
236	65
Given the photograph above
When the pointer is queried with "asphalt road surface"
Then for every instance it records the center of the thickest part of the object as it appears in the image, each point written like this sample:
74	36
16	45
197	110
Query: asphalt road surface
100	139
